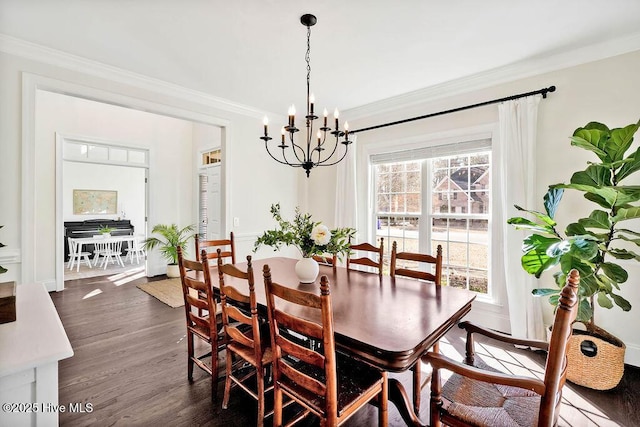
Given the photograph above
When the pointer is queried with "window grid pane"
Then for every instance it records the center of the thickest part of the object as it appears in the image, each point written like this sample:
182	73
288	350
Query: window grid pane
459	217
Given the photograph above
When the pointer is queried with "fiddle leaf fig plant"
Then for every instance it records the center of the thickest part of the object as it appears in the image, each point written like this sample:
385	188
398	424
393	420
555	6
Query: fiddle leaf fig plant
594	243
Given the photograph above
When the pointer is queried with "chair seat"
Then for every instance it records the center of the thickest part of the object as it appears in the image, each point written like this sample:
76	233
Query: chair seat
484	404
354	379
201	331
247	352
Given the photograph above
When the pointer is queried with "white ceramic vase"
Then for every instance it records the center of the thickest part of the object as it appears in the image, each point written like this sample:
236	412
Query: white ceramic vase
307	270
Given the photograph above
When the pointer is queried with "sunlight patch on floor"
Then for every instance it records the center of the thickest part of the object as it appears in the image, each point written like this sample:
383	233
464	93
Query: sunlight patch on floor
127	276
92	293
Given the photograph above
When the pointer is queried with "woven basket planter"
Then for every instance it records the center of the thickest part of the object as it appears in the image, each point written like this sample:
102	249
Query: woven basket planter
595	359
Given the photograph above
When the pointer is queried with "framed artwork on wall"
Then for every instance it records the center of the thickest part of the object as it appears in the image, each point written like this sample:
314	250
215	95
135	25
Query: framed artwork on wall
92	202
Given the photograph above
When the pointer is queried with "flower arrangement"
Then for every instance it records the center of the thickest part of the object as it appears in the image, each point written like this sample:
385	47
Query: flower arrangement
311	238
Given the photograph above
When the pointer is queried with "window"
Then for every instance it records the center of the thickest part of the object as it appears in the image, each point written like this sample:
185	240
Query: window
436	200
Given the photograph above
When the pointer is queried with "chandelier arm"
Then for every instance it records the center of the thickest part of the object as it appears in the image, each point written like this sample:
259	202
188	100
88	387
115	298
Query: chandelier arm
316	149
346	150
335	148
293	148
276	159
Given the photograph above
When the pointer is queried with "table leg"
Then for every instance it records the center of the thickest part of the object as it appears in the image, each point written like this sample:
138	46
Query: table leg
398	395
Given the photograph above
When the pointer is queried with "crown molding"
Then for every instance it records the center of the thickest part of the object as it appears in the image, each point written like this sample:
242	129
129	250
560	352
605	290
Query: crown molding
516	71
496	76
35	52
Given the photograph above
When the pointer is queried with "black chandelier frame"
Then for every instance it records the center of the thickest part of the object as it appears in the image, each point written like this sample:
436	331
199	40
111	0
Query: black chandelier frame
312	155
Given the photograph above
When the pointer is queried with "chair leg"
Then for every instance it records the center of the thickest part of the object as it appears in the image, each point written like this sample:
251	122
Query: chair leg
383	413
214	370
260	381
417	386
227	382
190	356
277	405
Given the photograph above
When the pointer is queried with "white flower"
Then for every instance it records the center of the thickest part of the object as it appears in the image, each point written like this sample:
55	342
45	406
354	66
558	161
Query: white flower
321	235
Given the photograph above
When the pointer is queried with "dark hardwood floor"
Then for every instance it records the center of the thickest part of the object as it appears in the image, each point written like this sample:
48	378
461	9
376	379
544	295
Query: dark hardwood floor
130	364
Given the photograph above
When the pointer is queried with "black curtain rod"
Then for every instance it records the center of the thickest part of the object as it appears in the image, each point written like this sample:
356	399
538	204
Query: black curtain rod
542	92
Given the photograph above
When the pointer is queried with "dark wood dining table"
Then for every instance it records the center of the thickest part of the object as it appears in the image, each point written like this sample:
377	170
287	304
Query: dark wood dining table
387	322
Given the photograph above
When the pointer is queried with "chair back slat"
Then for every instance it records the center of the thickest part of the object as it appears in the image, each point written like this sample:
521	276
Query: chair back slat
326	259
306	327
305	381
210	246
424	259
366	261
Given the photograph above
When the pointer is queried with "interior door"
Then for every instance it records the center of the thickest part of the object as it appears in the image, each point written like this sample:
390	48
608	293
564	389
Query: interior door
211	203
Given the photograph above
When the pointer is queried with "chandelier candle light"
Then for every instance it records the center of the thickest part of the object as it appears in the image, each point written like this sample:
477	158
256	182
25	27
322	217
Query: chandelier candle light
312	155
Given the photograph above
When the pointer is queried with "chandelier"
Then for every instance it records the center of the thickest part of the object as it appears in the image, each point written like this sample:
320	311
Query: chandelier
309	153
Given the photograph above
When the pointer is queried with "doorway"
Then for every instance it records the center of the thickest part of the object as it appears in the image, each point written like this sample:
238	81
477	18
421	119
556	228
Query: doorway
127	216
172	144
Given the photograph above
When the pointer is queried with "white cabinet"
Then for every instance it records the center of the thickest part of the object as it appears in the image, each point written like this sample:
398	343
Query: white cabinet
30	349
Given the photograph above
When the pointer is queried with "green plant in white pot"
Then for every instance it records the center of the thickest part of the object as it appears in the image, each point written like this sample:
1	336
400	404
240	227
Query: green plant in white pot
594	243
171	238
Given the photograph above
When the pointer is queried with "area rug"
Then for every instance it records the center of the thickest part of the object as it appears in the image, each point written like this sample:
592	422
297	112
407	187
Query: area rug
169	291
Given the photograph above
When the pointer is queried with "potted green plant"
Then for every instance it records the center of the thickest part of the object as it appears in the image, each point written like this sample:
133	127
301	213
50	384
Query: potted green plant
310	237
592	245
171	238
105	230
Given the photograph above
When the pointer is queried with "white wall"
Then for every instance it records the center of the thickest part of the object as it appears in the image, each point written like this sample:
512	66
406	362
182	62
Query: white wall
128	182
605	91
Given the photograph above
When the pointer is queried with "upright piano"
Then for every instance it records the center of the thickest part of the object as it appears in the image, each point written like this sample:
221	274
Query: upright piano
91	227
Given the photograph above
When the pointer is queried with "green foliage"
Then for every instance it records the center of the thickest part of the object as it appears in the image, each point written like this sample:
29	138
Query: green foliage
2	245
588	243
105	229
311	238
171	238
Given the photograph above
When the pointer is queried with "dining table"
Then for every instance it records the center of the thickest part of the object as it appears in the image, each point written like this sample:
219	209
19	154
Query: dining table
387	322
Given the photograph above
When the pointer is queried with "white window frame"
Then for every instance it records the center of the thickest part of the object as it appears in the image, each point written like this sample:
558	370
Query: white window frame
497	292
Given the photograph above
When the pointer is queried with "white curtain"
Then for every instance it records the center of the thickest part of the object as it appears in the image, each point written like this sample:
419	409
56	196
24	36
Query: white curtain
346	213
518	122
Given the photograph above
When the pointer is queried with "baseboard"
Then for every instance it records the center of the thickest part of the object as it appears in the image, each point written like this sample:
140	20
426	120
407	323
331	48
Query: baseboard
632	355
50	285
489	319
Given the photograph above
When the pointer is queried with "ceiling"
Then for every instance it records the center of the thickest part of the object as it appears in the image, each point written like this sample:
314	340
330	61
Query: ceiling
362	51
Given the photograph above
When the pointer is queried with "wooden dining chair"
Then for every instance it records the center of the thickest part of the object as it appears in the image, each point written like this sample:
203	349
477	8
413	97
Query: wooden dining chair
480	396
75	256
366	261
243	338
328	384
326	259
204	320
211	246
424	261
